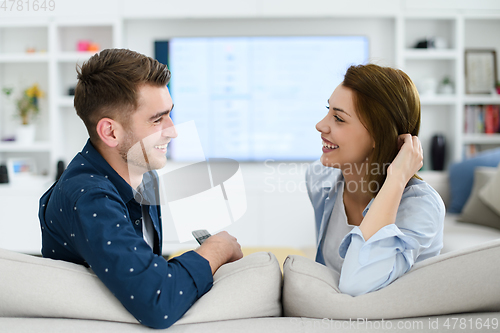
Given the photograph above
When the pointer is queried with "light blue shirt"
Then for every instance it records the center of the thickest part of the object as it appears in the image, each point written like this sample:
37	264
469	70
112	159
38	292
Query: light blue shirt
370	265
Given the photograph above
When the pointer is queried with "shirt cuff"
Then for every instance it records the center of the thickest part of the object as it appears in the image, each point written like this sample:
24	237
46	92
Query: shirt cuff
385	232
199	269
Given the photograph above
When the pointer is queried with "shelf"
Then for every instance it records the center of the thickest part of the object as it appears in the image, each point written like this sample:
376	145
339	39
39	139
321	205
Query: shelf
481	139
23	57
16	24
74	56
481	99
16	147
438	100
431	54
34	184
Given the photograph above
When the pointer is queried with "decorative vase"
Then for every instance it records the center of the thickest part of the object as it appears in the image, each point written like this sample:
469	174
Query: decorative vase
428	86
4	175
438	151
25	134
446	89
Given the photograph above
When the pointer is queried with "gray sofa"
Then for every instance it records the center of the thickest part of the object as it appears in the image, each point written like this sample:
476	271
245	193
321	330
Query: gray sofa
455	291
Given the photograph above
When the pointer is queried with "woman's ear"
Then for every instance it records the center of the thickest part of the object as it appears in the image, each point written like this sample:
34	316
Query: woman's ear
107	130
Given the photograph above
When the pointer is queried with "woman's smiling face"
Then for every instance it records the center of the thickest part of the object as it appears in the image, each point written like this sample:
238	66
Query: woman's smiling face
346	141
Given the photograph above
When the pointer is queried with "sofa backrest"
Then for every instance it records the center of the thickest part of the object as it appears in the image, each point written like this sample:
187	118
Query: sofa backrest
439	181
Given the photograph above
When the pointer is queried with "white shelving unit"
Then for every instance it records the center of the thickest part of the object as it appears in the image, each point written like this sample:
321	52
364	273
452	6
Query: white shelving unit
430	54
444	114
60	133
475	36
24	58
67	33
53	66
481	139
20	69
16	147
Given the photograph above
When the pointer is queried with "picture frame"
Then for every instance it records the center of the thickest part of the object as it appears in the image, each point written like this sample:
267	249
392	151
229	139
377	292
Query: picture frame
480	71
20	168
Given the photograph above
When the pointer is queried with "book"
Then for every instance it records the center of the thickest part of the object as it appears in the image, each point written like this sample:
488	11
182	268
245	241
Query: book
489	126
481	119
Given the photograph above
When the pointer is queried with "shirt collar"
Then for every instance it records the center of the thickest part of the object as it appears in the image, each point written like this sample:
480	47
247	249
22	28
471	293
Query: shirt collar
97	161
146	193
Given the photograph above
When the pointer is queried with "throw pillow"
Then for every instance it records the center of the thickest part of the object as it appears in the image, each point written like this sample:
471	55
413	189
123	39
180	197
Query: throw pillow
490	194
475	210
39	287
462	175
456	282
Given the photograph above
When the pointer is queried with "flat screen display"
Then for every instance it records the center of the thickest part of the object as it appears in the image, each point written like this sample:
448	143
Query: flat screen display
256	98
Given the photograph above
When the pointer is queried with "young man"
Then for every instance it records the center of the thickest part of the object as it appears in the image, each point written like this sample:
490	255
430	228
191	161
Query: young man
103	212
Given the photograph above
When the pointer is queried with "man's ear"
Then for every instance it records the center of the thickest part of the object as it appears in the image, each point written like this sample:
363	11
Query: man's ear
109	131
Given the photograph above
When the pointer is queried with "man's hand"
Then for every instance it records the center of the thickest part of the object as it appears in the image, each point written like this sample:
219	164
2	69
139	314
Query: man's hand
220	249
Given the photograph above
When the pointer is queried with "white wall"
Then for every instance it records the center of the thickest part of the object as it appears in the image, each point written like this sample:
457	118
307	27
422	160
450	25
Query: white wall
140	34
278	209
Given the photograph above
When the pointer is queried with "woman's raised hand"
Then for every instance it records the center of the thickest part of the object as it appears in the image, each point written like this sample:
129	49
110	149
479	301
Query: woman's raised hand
409	159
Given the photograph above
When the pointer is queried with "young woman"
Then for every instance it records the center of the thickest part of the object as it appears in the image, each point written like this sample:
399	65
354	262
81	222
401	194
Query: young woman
374	216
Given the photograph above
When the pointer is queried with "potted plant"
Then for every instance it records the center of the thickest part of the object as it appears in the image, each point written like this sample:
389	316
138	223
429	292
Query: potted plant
27	109
497	86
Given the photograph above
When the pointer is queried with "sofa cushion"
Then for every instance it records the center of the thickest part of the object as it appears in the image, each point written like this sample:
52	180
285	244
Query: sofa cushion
462	175
456	282
475	210
39	287
458	235
490	193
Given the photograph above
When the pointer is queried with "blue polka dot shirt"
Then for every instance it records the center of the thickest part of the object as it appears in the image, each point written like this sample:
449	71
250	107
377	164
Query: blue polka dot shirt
90	217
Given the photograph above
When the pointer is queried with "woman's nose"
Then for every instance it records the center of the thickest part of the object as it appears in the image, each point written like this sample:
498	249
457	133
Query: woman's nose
322	126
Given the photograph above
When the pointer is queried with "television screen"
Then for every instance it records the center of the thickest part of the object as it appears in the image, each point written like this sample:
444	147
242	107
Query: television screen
256	98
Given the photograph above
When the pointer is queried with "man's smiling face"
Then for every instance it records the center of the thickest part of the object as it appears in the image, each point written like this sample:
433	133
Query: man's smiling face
150	129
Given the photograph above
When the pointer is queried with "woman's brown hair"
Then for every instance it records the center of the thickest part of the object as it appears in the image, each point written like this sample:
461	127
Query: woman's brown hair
388	104
108	86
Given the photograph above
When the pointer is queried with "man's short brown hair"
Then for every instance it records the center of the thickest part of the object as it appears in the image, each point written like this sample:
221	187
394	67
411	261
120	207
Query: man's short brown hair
108	86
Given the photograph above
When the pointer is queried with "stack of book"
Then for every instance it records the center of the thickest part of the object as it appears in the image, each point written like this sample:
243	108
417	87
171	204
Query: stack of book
481	119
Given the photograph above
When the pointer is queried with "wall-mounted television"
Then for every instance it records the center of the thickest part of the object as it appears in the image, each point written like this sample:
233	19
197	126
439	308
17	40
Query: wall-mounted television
256	98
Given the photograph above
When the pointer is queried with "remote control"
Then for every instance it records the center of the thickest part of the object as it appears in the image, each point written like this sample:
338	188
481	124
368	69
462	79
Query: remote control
201	235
